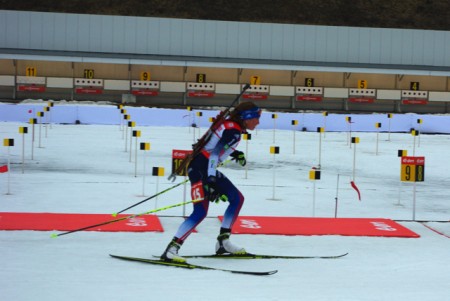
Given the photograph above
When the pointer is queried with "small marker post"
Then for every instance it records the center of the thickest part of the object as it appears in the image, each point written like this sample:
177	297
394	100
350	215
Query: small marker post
325	115
415	134
50	105
125	131
40	115
158	172
136	134
246	137
389	116
419	122
33	121
8	143
123	112
336	198
349	133
355	140
294	124
47	124
119	109
23	130
274	150
314	174
377	126
145	146
131	125
199	115
320	130
274	117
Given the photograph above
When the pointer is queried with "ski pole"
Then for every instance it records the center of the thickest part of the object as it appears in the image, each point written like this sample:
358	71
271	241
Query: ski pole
54	235
151	197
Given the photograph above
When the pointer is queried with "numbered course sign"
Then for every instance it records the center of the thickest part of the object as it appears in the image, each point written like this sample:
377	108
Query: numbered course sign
145	76
309	82
88	73
255	80
30	71
362	84
414	86
200	78
177	157
413	169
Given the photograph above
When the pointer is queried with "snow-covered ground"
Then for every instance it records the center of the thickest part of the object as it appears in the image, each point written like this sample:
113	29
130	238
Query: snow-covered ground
85	169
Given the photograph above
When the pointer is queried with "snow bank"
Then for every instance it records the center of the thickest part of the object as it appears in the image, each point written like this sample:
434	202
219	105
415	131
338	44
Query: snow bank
93	113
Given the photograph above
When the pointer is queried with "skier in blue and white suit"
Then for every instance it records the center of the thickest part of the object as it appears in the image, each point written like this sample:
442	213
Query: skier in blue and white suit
210	185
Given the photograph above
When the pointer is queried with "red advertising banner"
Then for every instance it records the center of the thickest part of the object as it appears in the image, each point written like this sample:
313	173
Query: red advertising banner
145	92
88	91
278	225
414	101
200	94
309	98
361	100
71	221
31	88
255	96
413	160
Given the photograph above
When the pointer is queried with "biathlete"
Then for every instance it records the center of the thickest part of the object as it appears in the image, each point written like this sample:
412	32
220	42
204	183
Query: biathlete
210	185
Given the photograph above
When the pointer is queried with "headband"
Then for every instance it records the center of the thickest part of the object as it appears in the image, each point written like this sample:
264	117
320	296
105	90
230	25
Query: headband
254	112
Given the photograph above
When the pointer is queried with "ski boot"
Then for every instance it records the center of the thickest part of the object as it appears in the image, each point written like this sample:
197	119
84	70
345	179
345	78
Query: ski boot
225	246
171	253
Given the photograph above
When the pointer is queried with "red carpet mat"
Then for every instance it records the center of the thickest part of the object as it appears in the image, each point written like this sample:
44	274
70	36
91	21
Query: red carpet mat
73	221
319	226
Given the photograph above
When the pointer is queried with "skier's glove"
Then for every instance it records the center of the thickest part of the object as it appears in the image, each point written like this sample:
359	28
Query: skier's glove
212	194
239	157
221	197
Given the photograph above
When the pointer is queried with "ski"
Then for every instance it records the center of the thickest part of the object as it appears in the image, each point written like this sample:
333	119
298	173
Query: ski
262	256
190	266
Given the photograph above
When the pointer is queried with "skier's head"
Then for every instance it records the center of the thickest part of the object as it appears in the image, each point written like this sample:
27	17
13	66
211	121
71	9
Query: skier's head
247	114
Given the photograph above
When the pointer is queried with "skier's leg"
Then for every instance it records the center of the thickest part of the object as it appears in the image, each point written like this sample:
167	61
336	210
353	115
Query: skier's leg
236	200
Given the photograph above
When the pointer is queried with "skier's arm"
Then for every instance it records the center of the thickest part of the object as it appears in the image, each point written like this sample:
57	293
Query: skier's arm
223	149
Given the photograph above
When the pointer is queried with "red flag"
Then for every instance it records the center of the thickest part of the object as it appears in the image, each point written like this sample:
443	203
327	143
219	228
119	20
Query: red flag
30	111
3	168
356	188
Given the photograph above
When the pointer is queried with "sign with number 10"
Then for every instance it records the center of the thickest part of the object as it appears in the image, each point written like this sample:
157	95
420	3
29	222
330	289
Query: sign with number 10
177	157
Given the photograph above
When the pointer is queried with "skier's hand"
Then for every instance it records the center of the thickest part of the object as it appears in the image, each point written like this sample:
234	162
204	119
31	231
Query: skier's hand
211	189
219	198
239	157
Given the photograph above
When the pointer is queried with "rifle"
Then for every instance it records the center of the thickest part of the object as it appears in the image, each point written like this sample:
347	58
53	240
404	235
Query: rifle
198	146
